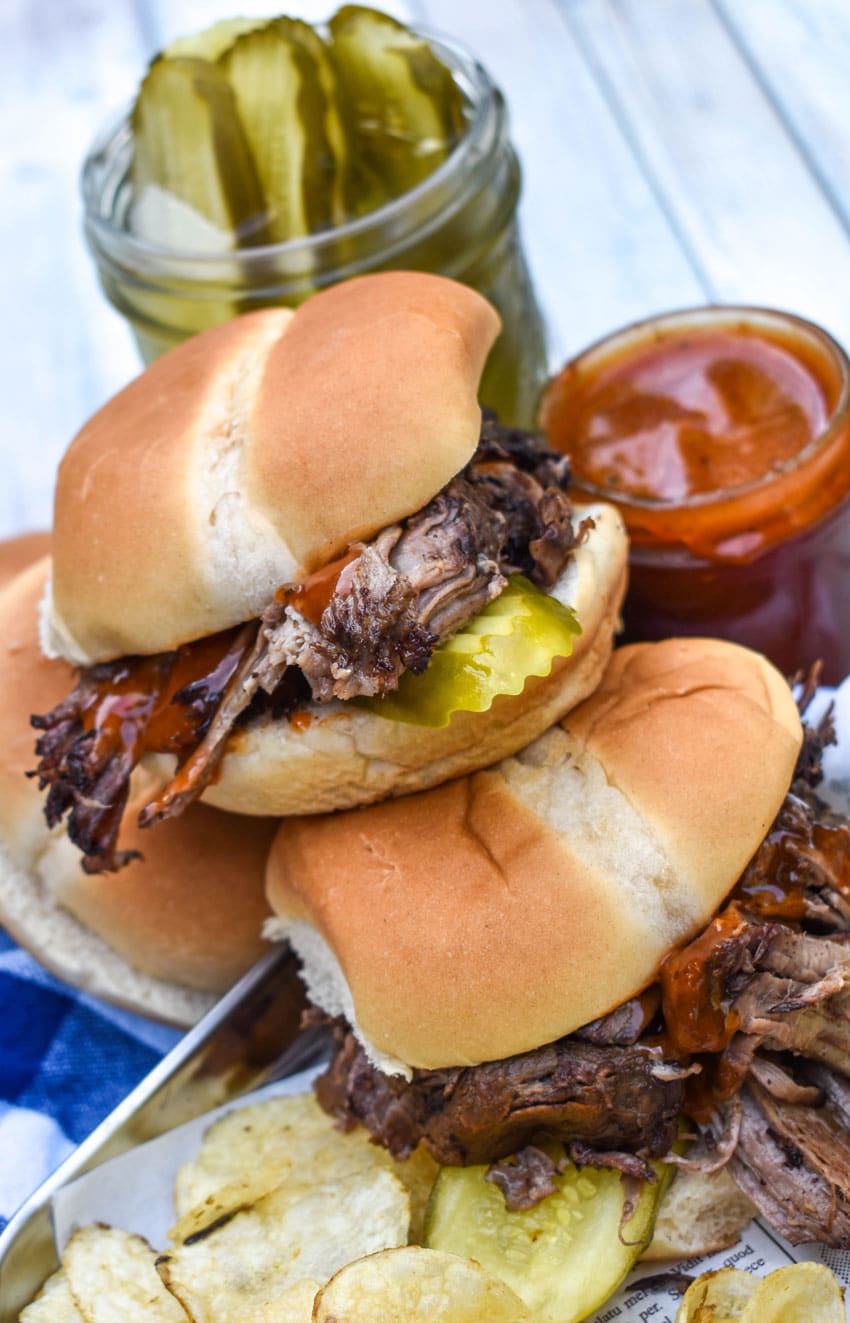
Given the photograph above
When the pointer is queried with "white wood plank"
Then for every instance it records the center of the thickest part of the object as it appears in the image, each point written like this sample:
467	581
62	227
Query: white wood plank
800	49
602	251
62	69
742	195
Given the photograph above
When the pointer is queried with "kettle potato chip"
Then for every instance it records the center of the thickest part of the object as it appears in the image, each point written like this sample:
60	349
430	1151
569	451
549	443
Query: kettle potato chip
416	1285
251	1151
112	1278
53	1304
800	1293
241	1269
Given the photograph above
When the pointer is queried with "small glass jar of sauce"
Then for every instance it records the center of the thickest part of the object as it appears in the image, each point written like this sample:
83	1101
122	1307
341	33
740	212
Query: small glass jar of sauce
723	436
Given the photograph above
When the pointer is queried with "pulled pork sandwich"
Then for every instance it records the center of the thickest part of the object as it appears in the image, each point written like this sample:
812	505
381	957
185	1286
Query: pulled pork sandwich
171	932
295	567
640	921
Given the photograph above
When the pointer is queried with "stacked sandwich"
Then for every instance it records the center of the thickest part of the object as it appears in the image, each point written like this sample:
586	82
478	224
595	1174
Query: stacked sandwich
557	905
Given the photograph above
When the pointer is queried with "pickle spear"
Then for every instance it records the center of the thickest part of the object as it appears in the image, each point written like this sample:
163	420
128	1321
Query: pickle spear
282	109
518	635
405	109
188	142
565	1256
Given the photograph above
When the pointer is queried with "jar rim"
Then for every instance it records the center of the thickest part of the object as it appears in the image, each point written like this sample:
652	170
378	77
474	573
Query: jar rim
718	314
487	117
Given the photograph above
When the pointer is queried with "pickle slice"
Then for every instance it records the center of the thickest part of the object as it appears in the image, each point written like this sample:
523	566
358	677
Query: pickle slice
282	108
188	141
565	1256
338	165
213	41
404	107
518	635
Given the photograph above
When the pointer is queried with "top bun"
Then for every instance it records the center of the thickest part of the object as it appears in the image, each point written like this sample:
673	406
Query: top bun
506	909
170	931
255	452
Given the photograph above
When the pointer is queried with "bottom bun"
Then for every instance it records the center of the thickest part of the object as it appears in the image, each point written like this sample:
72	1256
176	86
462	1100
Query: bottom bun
16	553
699	1215
76	955
342	756
169	932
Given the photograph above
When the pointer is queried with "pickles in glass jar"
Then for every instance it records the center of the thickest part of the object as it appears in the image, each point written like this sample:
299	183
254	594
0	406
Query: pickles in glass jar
190	145
187	236
404	110
281	107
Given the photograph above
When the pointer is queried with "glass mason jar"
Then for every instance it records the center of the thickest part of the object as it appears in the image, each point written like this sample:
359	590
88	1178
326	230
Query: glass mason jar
461	222
729	459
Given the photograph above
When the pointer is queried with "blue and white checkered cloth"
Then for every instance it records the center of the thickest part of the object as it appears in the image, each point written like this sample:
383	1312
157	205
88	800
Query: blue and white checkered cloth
66	1060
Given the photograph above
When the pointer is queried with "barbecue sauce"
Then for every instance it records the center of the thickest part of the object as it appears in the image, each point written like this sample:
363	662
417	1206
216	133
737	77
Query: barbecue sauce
139	707
161	704
697	1014
723	435
310	597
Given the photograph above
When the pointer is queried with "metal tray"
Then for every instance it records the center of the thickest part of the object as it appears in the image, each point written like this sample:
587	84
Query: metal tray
250	1037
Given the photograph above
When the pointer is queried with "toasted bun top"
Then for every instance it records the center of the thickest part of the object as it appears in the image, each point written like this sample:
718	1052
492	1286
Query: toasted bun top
190	912
504	910
255	452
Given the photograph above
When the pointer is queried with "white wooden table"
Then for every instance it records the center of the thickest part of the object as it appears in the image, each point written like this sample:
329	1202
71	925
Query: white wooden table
675	152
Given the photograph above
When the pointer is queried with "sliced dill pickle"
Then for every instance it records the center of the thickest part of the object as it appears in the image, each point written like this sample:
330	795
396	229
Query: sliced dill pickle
213	41
404	108
338	163
518	635
565	1256
282	109
187	140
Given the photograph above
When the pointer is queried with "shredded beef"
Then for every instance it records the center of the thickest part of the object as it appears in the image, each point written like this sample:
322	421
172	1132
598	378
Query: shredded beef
793	1162
394	600
92	741
607	1100
526	1177
626	1023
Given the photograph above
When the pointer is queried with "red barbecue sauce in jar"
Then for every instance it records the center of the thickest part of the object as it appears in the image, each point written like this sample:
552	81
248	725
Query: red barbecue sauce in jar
723	436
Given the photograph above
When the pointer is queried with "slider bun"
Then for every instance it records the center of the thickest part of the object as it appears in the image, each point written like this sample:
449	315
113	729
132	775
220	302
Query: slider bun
339	756
16	553
254	453
699	1215
164	935
504	910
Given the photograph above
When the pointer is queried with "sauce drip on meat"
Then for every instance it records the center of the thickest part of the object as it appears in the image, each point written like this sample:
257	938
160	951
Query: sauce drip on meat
697	1008
310	597
160	704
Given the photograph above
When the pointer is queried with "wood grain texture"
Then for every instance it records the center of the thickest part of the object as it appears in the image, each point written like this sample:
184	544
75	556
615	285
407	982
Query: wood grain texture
735	182
63	69
601	249
799	50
